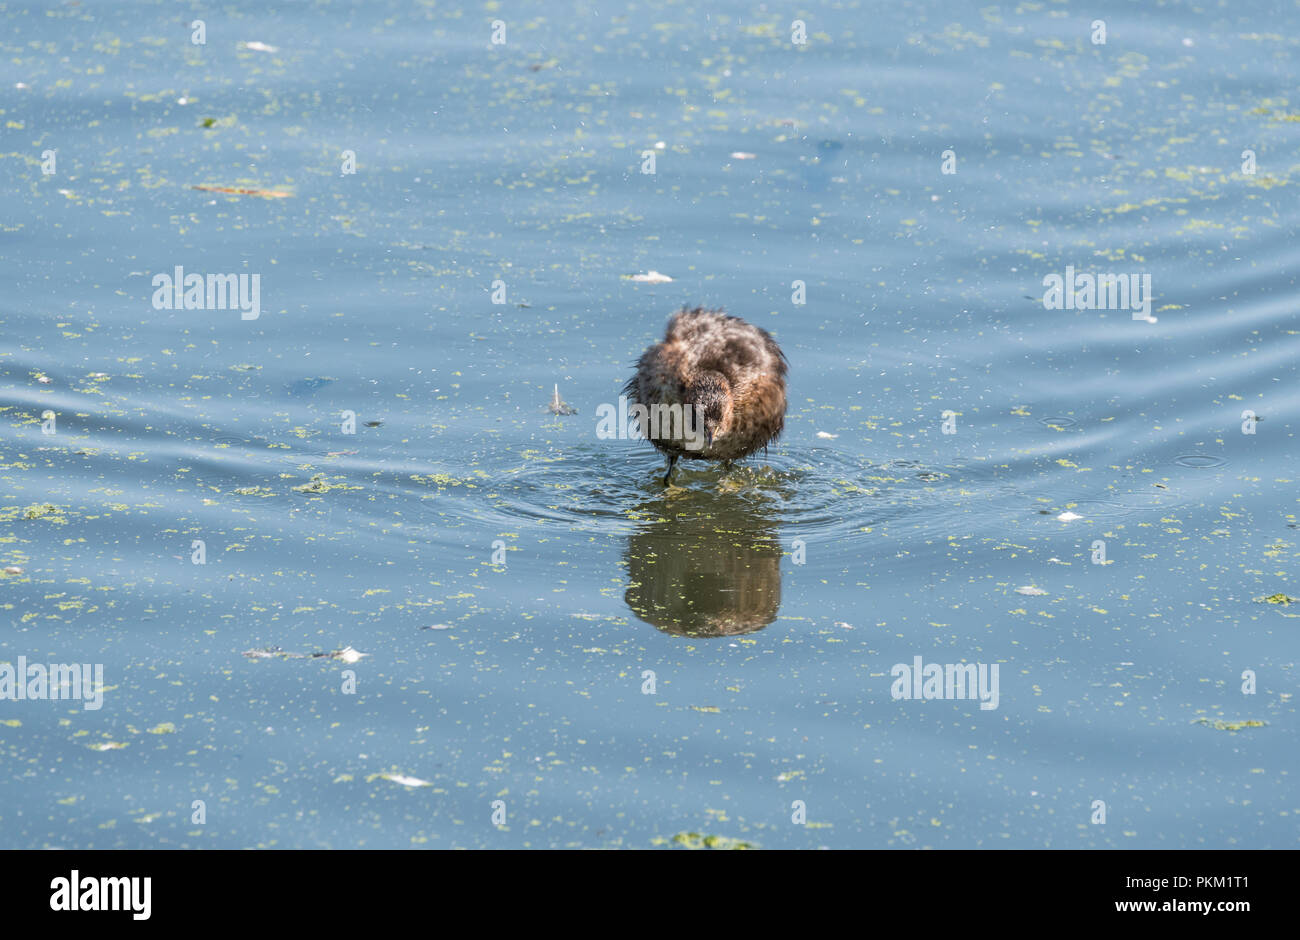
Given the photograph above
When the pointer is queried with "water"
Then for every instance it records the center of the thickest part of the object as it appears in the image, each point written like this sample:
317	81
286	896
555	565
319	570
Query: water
770	604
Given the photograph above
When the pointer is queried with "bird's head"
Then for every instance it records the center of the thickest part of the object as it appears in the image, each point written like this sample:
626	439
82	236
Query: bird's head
711	398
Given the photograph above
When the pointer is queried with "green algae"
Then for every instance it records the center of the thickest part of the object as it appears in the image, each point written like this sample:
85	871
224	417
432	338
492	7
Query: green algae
47	511
440	480
318	485
693	840
1218	724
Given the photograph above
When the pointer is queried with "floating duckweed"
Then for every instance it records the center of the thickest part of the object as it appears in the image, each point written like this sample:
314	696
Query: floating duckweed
693	840
1278	599
439	479
165	728
254	491
44	511
1218	724
318	485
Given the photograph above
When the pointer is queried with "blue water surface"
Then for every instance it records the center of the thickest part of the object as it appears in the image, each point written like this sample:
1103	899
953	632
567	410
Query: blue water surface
560	652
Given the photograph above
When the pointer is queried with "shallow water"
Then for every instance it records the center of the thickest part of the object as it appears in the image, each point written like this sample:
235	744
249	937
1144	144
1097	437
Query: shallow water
770	603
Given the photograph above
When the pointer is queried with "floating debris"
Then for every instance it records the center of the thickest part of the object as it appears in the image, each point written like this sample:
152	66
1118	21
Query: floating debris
1218	724
44	511
44	379
1031	590
269	652
13	569
107	746
260	46
236	191
374	424
693	840
560	407
651	277
843	626
318	485
405	780
346	655
437	626
826	435
744	155
1069	516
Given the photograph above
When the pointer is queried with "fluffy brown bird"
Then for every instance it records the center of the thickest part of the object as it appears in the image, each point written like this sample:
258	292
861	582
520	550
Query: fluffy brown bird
714	389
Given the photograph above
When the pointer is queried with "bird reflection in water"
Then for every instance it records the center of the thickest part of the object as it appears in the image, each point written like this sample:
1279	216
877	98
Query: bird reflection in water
705	564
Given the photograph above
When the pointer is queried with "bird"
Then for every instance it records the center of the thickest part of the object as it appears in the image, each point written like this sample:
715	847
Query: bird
714	389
